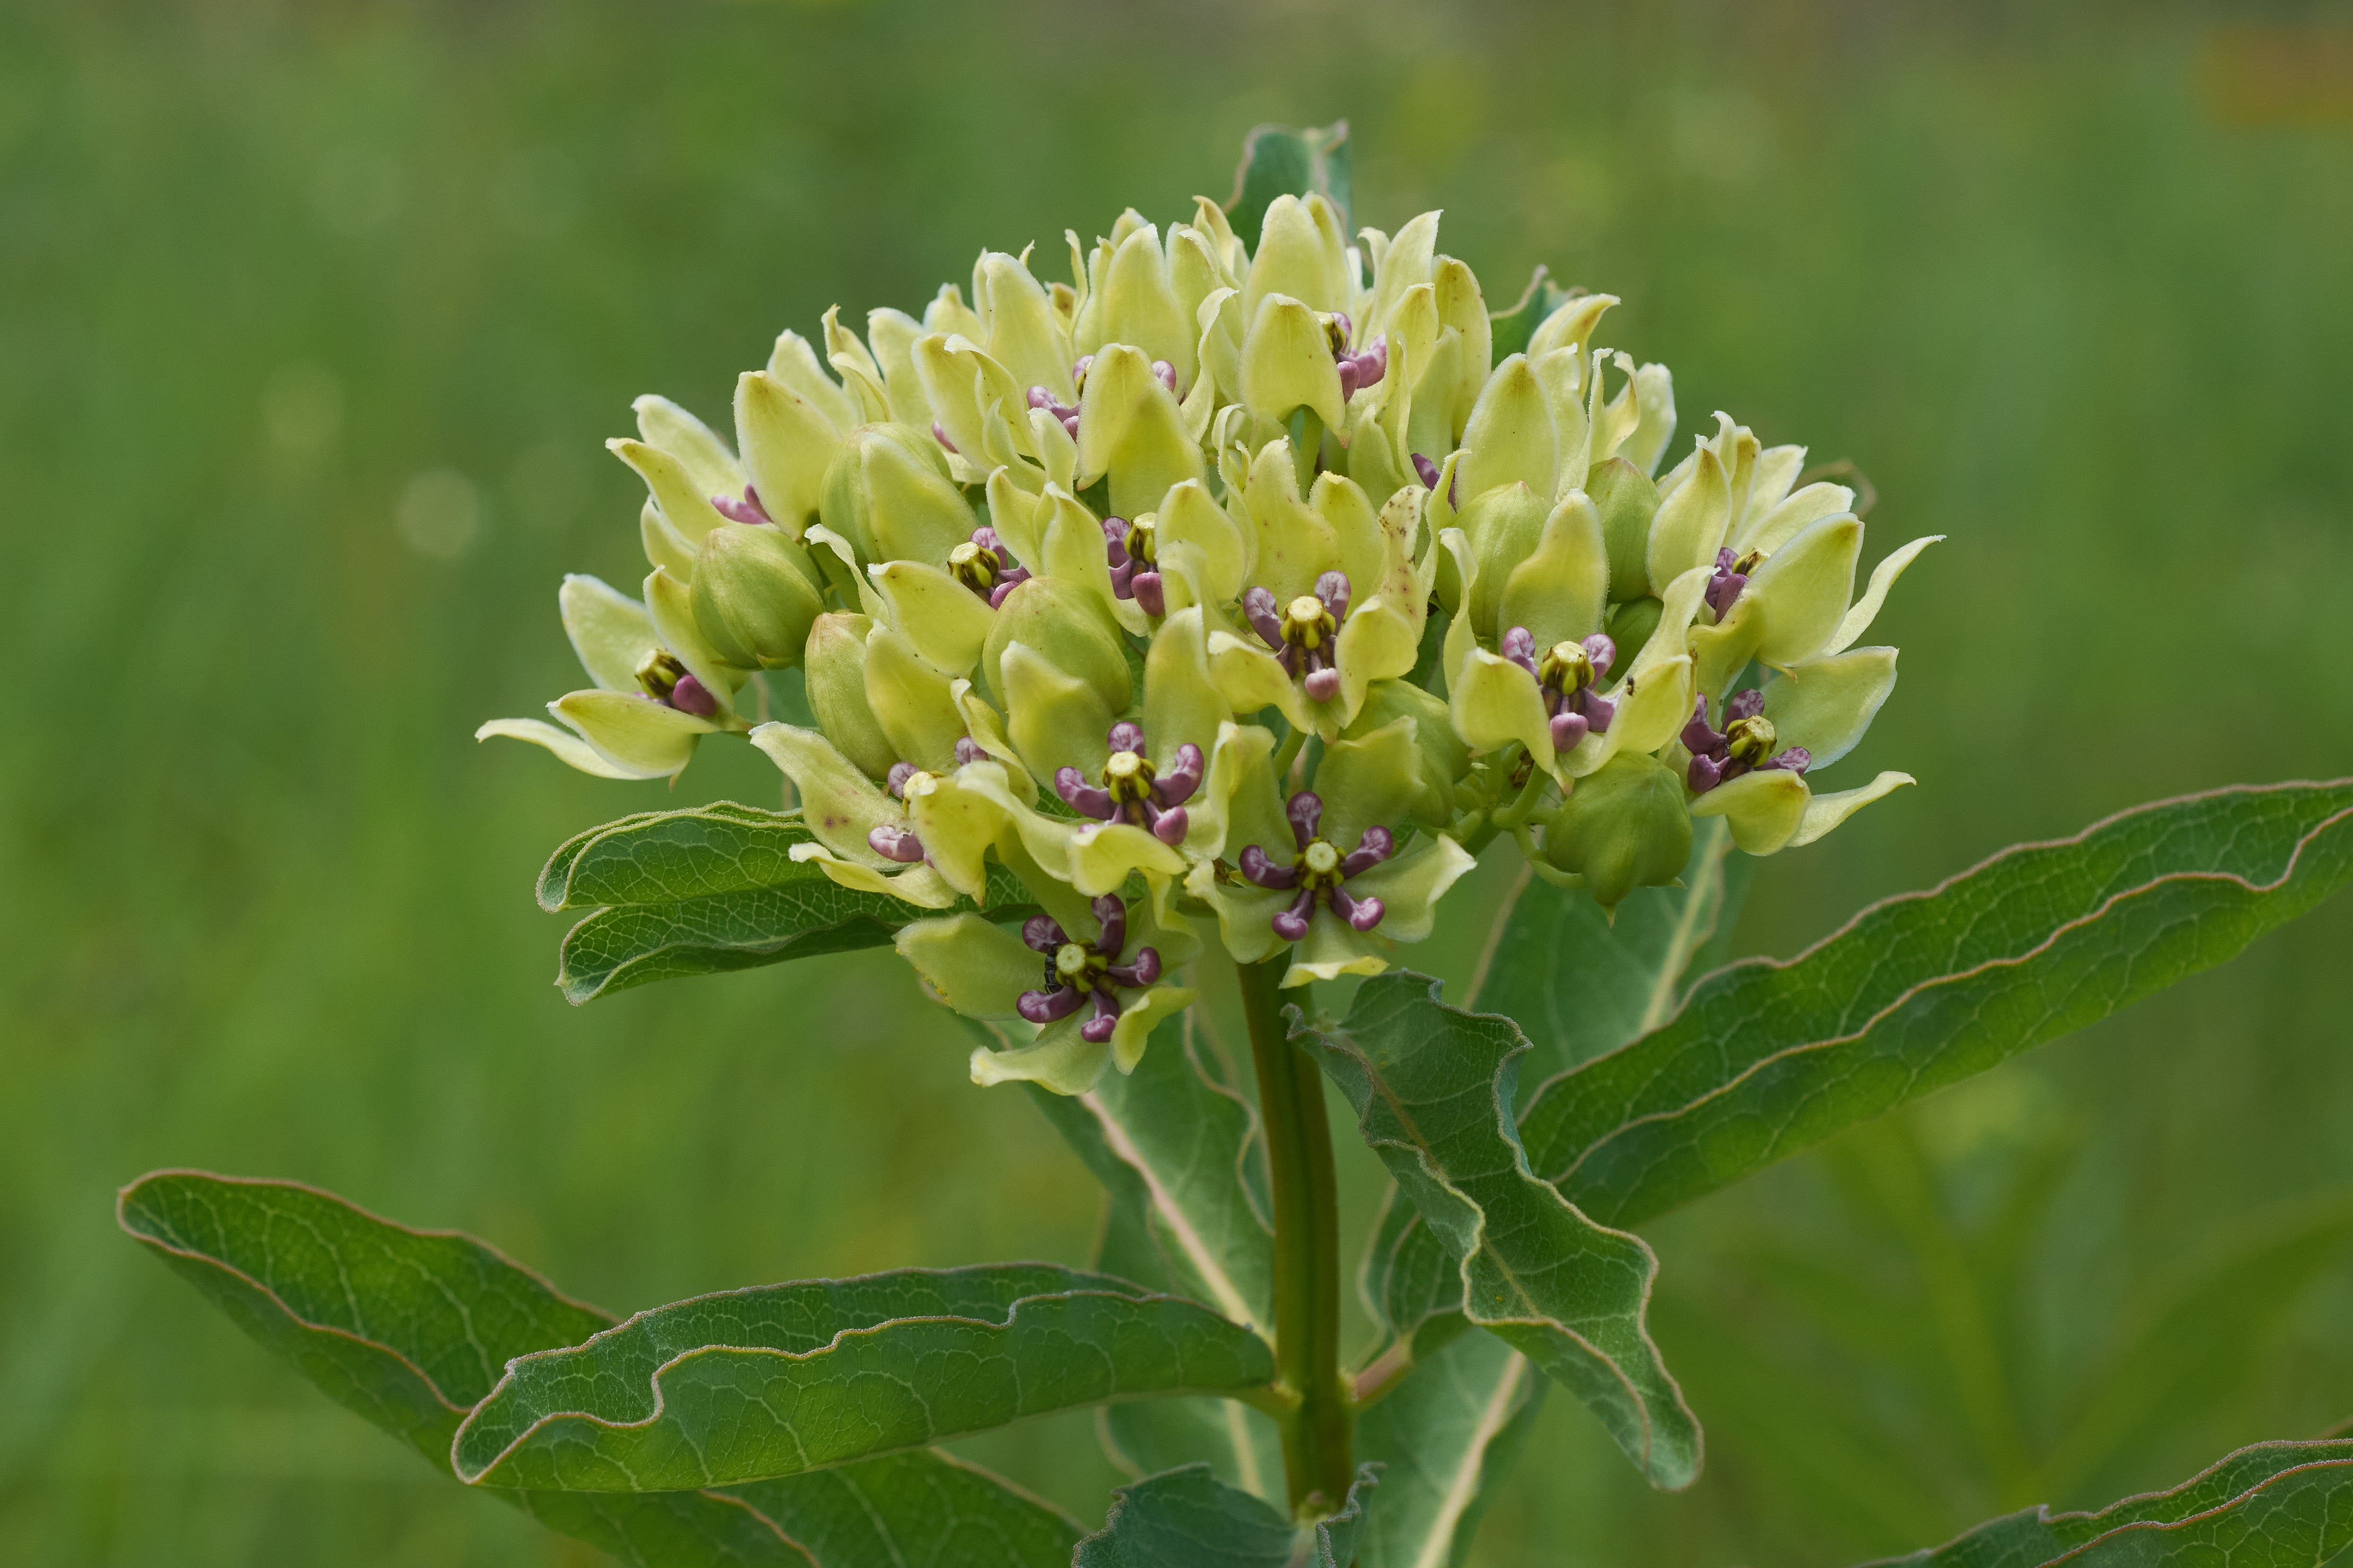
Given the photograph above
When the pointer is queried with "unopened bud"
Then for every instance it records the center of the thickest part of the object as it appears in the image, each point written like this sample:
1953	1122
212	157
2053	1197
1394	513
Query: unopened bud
754	596
1622	827
836	667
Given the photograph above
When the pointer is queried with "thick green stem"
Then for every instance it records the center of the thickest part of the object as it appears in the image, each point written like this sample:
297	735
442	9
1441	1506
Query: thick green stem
1317	1424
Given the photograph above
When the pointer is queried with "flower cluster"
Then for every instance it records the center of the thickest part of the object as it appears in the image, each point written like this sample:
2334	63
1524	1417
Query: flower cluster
1232	588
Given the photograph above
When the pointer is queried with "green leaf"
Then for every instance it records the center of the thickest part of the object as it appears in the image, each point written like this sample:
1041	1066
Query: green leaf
1580	985
1767	1058
411	1329
1433	1088
1189	1519
2268	1506
1442	1436
747	1384
1511	328
1177	1151
1282	160
711	889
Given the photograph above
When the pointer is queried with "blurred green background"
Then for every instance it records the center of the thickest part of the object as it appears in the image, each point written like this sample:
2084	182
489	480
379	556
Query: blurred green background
313	317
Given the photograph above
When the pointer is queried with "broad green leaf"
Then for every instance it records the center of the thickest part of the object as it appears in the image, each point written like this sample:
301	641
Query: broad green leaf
1511	328
1433	1088
710	889
1282	160
747	1385
2270	1506
1189	1519
1176	1150
1442	1436
1767	1058
409	1329
1578	985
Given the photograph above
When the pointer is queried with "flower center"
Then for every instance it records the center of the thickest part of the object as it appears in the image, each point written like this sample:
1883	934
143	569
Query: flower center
1139	543
1306	623
1320	861
1128	777
973	567
1567	668
1749	740
1070	965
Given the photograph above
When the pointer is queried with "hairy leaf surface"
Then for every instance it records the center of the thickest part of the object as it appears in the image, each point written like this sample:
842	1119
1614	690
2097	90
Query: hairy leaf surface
411	1328
1768	1058
1189	1519
2275	1505
747	1385
1433	1090
710	889
1442	1436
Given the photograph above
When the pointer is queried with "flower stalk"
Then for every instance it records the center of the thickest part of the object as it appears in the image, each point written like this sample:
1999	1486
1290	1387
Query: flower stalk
1316	1419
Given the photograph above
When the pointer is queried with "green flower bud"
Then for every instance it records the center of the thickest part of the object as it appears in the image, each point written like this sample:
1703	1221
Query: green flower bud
1067	626
888	494
837	692
1627	500
755	594
1621	828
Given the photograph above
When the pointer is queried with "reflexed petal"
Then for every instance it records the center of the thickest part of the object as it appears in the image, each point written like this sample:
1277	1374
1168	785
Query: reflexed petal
1825	812
1826	704
1286	364
1560	592
1062	1060
1380	640
1020	519
610	631
976	965
1189	515
915	512
1369	782
1181	703
1073	554
1143	1013
1139	307
959	822
947	622
706	457
1301	254
1055	721
1495	702
1025	335
1720	652
683	501
1130	429
788	444
839	805
575	750
671	604
1654	405
1244	911
986	725
634	732
1412	883
794	365
918	884
1237	802
665	545
1295	544
1104	854
1783	523
1689	528
1805	587
1512	438
1332	948
1866	609
1250	679
1763	809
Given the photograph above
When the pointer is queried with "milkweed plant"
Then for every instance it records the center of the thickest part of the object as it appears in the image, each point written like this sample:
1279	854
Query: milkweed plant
1200	605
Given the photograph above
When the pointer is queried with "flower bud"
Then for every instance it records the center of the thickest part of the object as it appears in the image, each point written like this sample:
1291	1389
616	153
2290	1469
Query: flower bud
1624	826
754	596
1627	500
888	494
1064	624
837	692
1503	527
